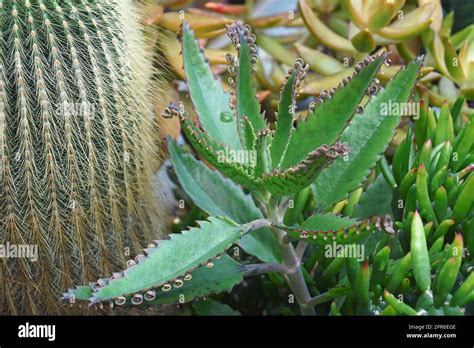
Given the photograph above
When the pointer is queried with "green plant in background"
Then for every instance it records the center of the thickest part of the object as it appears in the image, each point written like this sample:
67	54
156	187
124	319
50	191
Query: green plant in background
332	35
404	27
76	146
278	194
432	173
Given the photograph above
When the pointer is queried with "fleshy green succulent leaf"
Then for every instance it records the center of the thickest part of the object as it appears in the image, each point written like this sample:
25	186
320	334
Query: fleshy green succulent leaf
247	103
209	190
217	154
355	11
445	129
462	36
452	61
462	294
219	196
465	199
328	228
363	41
381	16
264	161
285	182
286	112
322	32
422	195
420	255
214	308
172	259
331	115
209	99
448	272
436	48
376	200
369	135
412	24
398	305
362	284
401	158
318	61
248	133
463	145
223	276
399	271
276	49
78	293
332	294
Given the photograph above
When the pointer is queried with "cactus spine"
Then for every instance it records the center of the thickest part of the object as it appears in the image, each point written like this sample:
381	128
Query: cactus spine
76	145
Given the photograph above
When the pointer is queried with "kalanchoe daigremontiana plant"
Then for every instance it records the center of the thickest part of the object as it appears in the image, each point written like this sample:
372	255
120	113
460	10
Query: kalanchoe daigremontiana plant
268	175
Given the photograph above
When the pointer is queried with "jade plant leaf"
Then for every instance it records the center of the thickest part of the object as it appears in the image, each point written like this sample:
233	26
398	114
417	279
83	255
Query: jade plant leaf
332	113
223	276
323	33
219	196
209	99
410	25
368	136
167	263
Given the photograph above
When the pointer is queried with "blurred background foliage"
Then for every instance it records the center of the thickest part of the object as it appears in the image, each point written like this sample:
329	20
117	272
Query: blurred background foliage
331	36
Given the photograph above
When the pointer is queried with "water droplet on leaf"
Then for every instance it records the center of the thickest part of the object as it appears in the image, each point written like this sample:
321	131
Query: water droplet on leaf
226	117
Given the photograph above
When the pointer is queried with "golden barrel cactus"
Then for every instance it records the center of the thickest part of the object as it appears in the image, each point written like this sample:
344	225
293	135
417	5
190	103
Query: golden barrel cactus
77	150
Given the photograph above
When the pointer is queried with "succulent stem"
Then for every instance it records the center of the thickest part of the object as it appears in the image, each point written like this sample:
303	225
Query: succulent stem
291	261
262	268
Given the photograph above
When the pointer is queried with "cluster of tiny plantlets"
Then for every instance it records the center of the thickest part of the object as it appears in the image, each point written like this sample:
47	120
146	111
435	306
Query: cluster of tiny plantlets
283	208
76	148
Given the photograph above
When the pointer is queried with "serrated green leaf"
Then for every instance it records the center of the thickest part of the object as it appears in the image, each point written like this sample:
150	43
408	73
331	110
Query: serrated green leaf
376	200
209	99
368	136
217	154
173	258
330	117
264	162
248	134
211	307
247	102
328	228
219	196
284	123
328	222
294	179
223	276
